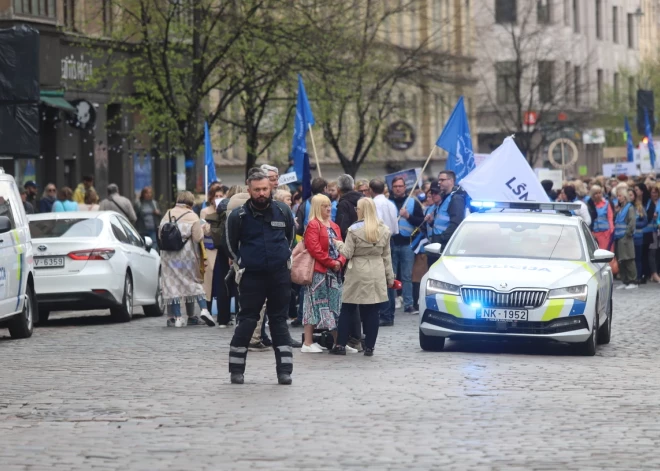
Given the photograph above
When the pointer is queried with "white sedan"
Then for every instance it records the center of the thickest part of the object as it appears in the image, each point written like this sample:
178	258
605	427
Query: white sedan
94	260
527	275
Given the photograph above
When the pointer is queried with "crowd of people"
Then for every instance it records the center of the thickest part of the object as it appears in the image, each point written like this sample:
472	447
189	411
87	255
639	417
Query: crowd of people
622	214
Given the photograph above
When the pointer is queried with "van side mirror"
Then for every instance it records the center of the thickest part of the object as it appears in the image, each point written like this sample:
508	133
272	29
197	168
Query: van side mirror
5	224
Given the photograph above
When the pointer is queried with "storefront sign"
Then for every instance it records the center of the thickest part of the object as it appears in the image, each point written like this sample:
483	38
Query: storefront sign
76	69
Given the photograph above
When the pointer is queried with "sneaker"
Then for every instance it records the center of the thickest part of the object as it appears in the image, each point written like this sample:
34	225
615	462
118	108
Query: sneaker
207	317
267	341
411	310
350	349
368	352
223	326
356	344
194	320
338	350
398	302
631	286
179	322
621	287
313	348
320	346
237	378
171	322
258	347
384	323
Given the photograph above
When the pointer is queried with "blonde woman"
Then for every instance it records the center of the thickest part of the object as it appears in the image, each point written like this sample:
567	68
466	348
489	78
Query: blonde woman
368	275
322	302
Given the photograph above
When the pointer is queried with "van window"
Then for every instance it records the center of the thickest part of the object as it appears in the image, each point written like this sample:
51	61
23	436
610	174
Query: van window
6	196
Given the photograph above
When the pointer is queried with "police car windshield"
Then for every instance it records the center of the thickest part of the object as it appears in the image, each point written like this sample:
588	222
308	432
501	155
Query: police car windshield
517	240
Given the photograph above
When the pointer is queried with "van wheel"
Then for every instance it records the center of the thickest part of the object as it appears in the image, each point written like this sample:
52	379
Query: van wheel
21	325
158	308
125	312
430	343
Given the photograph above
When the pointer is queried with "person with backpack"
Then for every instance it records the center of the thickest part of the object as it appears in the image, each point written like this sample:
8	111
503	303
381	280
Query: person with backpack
181	261
259	237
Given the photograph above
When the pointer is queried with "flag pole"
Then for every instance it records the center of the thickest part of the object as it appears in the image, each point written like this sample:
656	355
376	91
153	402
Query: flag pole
316	157
428	159
206	181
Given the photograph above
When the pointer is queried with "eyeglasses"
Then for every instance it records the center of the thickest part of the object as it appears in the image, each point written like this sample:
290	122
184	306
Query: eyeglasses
440	180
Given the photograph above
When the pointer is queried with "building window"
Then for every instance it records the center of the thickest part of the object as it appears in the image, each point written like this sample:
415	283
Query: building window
545	81
631	92
35	8
567	82
615	87
69	11
507	82
506	11
543	13
567	13
576	16
576	85
599	19
631	27
615	25
599	86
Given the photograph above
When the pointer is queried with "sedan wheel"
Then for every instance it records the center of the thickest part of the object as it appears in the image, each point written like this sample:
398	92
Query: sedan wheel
605	332
125	312
588	348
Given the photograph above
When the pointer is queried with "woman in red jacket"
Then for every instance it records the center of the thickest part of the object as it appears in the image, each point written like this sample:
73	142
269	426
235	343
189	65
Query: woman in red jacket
322	302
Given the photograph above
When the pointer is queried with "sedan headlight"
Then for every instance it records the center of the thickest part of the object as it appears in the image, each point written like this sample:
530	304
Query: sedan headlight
440	287
572	292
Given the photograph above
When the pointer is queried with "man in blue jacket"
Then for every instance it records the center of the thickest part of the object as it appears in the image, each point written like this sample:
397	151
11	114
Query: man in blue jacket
260	235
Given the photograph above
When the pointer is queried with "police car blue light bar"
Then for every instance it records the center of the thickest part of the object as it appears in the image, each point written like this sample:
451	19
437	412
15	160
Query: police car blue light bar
526	205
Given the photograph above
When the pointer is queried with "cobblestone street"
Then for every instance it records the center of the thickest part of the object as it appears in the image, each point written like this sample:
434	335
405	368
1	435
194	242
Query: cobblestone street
83	394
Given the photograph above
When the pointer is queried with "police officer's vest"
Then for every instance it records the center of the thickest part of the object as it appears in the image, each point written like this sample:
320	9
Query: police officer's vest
620	226
441	221
263	245
602	224
429	228
641	225
405	228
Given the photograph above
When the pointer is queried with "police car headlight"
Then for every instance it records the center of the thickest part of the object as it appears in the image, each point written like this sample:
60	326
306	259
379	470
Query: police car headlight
440	287
572	292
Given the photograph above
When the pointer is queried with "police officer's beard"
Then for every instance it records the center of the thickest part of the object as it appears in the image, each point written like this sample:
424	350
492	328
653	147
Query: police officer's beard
260	202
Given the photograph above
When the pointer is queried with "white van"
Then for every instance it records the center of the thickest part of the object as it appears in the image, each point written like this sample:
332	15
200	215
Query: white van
18	307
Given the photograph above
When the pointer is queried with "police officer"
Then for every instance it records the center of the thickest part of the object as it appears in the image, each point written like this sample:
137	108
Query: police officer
259	238
449	213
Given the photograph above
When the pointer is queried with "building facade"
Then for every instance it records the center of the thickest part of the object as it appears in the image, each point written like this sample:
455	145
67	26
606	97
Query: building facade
547	67
83	130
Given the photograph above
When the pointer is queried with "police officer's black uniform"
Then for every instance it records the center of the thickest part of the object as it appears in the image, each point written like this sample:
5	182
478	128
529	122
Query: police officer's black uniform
259	241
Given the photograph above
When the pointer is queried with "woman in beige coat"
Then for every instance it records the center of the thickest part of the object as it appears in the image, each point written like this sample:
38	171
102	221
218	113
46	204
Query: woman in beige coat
368	275
214	197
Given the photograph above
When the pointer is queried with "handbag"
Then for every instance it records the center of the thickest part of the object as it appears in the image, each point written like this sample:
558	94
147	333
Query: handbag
302	265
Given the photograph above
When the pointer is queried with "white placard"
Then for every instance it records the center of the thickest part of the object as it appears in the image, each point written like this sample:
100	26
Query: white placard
480	159
555	176
621	168
504	176
288	178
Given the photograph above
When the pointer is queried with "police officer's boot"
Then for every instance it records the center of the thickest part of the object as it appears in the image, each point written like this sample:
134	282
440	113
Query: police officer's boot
283	378
284	363
237	378
237	357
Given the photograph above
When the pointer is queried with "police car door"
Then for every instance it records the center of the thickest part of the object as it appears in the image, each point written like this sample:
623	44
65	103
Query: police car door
602	272
9	252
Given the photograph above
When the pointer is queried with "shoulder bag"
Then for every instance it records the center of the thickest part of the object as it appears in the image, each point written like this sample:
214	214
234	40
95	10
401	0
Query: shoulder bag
302	265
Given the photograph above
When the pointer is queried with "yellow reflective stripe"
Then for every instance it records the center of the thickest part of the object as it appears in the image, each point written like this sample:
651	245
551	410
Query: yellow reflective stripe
553	310
586	266
18	271
451	305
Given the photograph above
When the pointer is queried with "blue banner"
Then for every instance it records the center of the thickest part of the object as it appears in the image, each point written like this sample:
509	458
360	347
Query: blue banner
457	141
304	119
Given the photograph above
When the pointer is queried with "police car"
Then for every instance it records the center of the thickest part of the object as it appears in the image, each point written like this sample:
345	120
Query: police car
534	273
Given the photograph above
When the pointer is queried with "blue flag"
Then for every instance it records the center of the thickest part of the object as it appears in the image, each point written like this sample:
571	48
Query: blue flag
304	119
629	141
649	135
456	140
209	163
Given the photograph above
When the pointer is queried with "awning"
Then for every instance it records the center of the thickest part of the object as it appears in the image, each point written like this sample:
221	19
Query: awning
56	101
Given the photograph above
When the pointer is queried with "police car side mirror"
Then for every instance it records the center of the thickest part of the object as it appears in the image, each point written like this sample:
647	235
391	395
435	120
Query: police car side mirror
5	224
433	248
148	244
602	256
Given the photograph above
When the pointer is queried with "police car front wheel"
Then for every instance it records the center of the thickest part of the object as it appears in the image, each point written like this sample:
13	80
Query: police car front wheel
430	343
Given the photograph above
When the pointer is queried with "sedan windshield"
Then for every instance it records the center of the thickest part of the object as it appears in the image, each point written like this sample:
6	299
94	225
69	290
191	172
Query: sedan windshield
517	240
51	228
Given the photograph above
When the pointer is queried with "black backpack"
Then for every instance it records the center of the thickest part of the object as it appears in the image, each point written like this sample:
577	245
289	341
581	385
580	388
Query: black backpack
171	239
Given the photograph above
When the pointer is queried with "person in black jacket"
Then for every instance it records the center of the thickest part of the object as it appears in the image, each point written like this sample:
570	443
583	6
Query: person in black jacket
347	205
259	236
